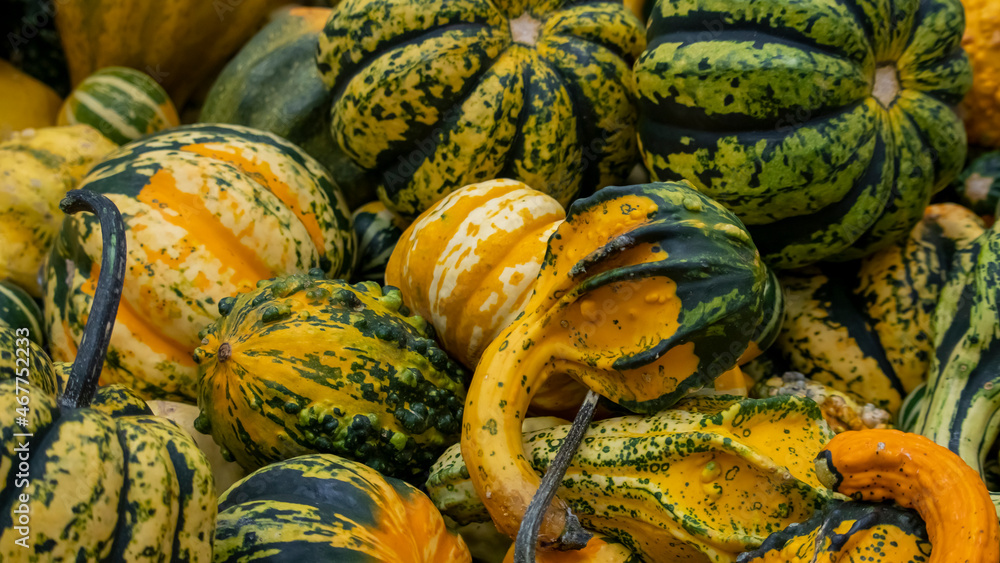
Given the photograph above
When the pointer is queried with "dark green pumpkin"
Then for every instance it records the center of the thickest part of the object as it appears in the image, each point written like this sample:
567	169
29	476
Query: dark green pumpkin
434	95
825	126
272	84
18	309
377	230
89	474
306	365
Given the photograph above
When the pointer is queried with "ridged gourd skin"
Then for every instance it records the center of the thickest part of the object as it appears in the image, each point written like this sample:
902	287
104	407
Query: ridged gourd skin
468	264
325	508
848	531
842	411
825	126
122	103
37	168
703	481
434	95
180	44
914	472
40	367
19	310
978	186
378	230
209	210
27	102
306	365
961	403
866	327
273	84
646	294
981	107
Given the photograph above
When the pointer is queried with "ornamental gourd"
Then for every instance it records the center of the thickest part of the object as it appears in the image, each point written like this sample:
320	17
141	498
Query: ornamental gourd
702	481
122	103
306	365
598	550
646	294
825	126
433	95
19	310
27	103
978	186
865	327
325	508
37	168
273	84
107	481
378	230
842	411
981	108
210	210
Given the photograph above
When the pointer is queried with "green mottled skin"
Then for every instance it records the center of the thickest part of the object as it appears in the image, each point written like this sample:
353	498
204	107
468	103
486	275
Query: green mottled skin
961	405
321	366
40	372
983	172
377	230
19	310
122	103
769	107
638	480
872	533
438	94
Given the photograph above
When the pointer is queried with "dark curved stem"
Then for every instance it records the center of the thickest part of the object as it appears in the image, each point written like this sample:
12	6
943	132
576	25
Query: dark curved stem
574	536
93	347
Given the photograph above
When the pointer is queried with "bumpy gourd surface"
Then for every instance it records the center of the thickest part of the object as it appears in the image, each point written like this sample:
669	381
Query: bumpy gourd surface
701	482
37	168
304	365
124	104
824	125
209	211
434	95
325	508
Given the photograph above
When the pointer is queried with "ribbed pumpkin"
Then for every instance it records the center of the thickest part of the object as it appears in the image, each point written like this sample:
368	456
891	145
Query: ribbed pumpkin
26	102
468	264
99	480
825	126
37	168
978	186
181	44
981	107
210	210
124	104
434	95
848	531
324	508
646	294
865	327
378	230
273	84
19	310
305	365
699	482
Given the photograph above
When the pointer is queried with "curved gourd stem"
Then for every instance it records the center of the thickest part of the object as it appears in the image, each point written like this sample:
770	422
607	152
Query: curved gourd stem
93	347
527	536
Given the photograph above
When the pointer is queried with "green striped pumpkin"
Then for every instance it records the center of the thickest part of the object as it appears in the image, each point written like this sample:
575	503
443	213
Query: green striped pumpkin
866	327
378	230
19	310
824	125
702	481
273	84
306	365
440	94
960	409
324	508
124	104
978	186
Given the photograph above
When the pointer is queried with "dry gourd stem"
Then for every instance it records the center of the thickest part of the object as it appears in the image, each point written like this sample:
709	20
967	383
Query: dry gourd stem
527	536
83	378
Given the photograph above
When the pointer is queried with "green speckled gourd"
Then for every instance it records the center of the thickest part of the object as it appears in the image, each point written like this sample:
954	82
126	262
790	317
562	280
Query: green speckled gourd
824	125
701	482
377	230
960	408
433	95
865	327
306	365
849	531
89	474
978	186
19	310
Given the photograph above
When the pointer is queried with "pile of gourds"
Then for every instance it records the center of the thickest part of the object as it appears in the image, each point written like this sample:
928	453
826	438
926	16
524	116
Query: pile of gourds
465	280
